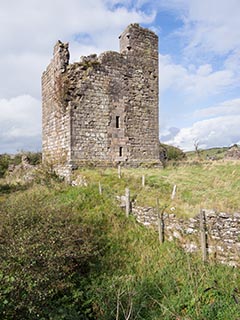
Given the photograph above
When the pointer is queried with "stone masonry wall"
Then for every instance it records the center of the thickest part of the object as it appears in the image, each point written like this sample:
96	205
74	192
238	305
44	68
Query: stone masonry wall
140	46
90	111
55	115
103	109
223	232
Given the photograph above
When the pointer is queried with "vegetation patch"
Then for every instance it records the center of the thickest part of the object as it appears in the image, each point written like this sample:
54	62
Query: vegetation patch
71	253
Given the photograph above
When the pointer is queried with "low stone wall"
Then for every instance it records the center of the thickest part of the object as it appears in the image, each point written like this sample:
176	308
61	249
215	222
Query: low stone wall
223	232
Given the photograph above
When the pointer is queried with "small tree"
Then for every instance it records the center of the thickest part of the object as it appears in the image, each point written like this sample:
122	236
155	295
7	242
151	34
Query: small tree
196	147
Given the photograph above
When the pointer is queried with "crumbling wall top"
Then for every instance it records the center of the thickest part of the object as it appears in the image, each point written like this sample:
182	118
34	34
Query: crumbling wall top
61	55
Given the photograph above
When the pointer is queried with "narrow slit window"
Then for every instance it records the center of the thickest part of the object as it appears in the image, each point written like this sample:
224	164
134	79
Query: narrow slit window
117	122
120	151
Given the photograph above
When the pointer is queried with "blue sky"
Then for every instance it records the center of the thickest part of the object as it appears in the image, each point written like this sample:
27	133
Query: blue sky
199	56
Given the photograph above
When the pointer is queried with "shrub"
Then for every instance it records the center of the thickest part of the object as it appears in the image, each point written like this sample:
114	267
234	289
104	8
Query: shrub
171	153
4	163
45	256
34	158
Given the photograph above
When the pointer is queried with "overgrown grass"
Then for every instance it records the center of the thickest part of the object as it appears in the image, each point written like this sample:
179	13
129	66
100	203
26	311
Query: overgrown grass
69	253
212	185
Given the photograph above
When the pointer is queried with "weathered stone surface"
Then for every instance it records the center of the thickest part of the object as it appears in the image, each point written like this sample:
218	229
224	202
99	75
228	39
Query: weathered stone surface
103	110
21	173
233	153
236	215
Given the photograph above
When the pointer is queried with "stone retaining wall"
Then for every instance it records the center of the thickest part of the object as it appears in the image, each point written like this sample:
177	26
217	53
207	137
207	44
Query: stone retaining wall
223	232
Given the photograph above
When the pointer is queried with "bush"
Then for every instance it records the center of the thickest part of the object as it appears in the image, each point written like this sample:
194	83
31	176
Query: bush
170	153
34	158
4	163
45	255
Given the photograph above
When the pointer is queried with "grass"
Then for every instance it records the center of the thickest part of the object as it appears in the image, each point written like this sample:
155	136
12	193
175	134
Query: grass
69	253
212	153
210	185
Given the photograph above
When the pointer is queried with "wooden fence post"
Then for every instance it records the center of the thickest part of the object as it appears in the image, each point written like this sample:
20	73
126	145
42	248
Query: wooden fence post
100	188
128	204
119	171
143	180
160	224
174	192
203	235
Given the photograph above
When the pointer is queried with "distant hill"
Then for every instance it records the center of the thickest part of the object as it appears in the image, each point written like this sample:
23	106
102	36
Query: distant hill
208	154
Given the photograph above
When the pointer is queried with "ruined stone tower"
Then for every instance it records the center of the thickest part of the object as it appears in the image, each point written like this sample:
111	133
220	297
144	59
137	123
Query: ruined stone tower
103	110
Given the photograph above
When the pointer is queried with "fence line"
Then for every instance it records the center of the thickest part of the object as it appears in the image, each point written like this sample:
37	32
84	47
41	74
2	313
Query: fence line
119	172
128	203
203	235
160	224
143	180
100	188
174	192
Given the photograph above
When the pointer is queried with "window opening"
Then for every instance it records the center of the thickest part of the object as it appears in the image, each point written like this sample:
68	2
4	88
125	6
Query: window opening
117	121
120	151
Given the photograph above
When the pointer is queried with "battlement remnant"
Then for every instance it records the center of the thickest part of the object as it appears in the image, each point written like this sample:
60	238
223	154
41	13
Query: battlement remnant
103	110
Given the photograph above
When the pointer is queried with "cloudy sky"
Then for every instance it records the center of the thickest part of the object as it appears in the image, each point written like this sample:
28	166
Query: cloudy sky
199	62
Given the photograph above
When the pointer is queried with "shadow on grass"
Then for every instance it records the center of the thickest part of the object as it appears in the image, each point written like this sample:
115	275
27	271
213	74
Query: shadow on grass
8	188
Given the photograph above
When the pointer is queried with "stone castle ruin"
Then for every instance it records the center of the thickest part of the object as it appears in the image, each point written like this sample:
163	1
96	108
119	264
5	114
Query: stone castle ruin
104	109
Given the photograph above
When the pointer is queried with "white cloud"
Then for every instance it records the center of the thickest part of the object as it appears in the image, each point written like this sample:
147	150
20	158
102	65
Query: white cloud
231	107
199	81
215	25
20	123
204	70
30	28
21	74
221	129
211	38
209	25
28	31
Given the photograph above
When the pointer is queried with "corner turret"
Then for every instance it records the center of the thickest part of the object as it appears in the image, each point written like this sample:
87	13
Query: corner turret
138	40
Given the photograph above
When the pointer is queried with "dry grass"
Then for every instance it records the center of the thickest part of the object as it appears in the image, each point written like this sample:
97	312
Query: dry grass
212	185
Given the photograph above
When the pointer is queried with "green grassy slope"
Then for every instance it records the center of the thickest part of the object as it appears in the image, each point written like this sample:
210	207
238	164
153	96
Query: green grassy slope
70	253
212	185
212	153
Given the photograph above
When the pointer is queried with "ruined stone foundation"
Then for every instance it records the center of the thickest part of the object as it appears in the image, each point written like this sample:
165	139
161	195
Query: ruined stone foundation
103	110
